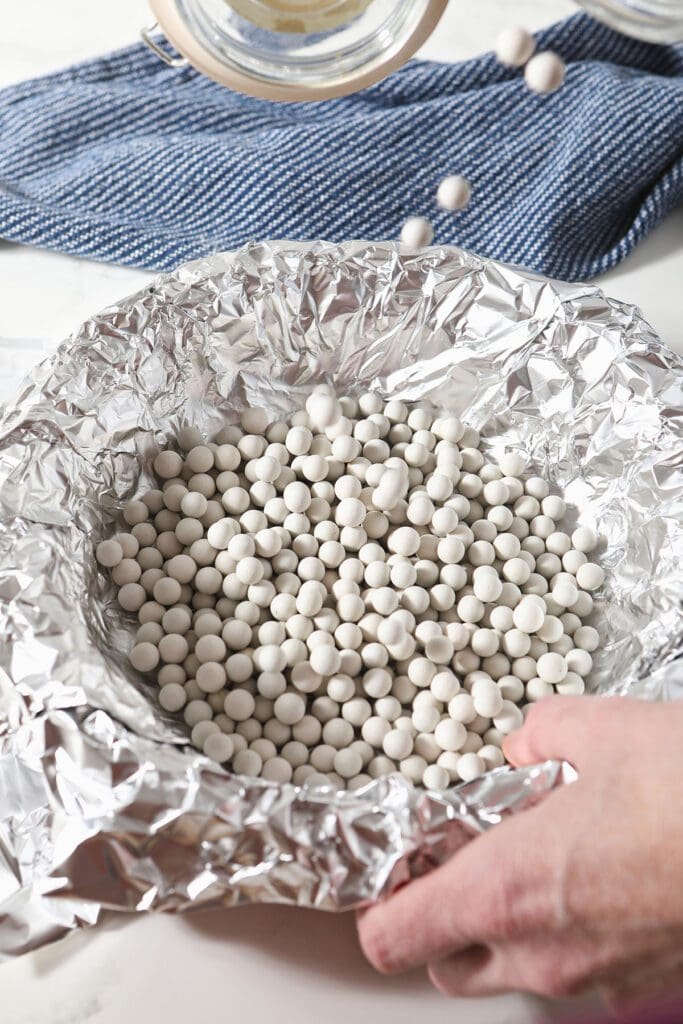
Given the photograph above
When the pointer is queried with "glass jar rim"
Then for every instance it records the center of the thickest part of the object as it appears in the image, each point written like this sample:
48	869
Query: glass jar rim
657	21
205	59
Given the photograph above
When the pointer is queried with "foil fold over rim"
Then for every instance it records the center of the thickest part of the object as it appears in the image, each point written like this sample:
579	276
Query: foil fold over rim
102	804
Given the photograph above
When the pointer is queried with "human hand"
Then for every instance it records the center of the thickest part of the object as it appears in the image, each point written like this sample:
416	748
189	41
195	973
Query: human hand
584	889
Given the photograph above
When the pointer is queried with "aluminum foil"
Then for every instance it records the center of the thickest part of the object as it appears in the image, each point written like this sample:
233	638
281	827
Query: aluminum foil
102	803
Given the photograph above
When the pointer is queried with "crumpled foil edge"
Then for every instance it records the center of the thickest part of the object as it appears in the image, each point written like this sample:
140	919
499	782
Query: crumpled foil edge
102	805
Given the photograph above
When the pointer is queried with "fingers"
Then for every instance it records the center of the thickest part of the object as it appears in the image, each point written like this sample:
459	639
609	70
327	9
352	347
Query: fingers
548	969
643	994
478	971
502	883
424	920
580	729
560	728
645	984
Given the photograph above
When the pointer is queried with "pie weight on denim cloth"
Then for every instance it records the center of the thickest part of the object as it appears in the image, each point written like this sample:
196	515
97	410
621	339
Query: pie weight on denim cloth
126	160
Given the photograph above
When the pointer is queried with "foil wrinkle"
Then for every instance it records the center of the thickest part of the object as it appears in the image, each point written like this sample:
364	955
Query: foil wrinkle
102	802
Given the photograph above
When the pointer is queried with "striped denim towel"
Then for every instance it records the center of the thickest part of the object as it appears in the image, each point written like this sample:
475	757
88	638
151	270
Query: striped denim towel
124	159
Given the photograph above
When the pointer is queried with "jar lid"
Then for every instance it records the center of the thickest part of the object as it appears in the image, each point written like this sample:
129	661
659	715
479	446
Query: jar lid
218	41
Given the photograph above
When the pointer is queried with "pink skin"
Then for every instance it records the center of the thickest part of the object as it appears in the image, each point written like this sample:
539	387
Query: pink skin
583	890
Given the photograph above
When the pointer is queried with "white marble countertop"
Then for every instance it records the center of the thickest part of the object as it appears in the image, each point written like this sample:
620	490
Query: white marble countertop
257	963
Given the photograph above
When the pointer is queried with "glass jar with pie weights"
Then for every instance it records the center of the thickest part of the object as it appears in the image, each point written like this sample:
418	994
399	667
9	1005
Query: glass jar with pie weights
658	21
303	50
294	49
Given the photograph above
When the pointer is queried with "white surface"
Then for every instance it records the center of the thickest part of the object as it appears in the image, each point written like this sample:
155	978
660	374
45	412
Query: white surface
258	963
254	964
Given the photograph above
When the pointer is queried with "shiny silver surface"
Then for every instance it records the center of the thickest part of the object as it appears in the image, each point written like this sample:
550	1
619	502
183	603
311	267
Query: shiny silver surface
101	802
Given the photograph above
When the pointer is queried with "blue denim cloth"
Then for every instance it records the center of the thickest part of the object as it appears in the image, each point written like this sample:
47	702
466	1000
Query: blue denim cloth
124	159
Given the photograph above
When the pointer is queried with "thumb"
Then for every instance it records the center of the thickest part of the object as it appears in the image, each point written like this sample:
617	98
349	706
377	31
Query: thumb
557	728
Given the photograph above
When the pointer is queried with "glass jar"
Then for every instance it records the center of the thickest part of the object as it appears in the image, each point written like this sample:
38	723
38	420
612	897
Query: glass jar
296	49
659	21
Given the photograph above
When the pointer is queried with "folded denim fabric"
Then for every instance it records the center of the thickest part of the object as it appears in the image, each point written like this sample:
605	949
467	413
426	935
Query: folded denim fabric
127	160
